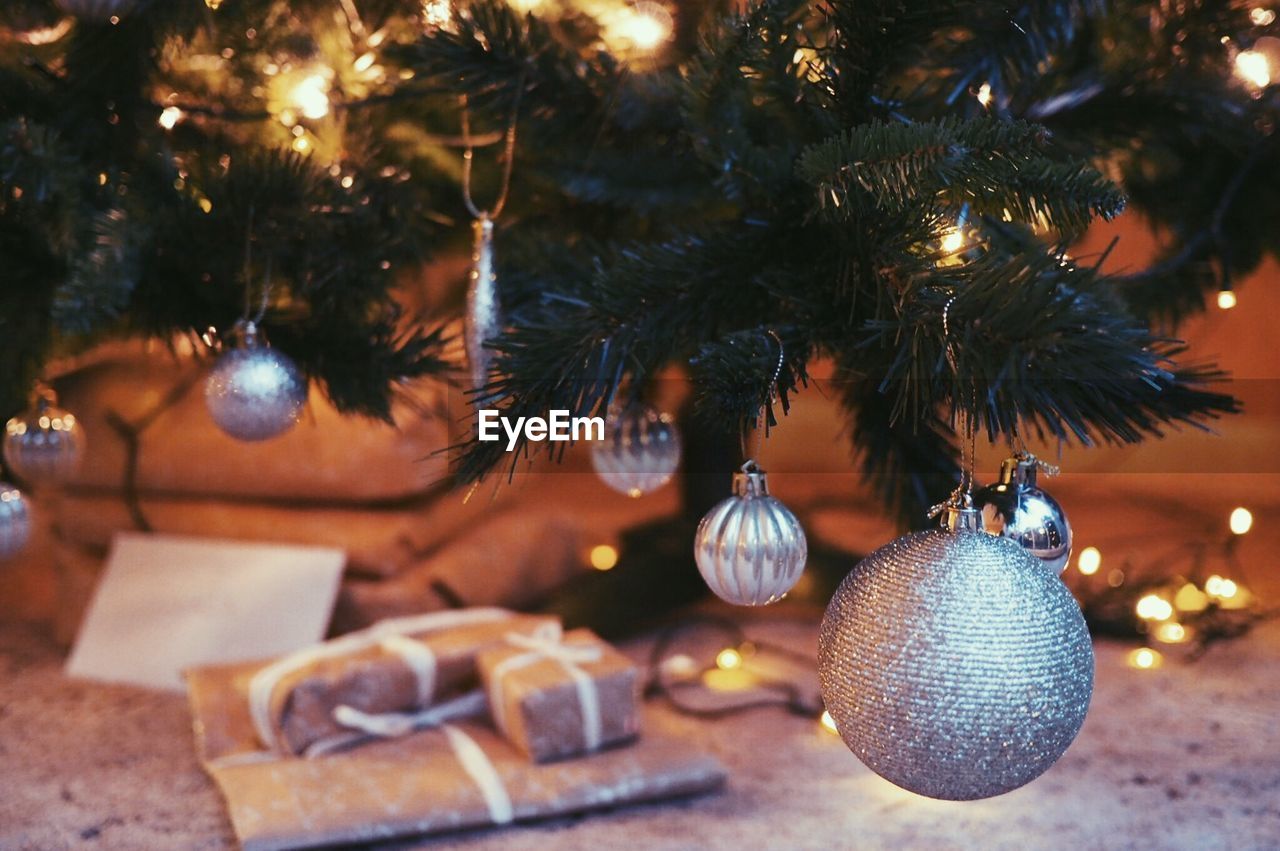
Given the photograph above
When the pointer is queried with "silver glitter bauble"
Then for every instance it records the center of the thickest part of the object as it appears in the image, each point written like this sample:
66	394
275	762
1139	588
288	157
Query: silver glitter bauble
254	392
483	320
1015	508
640	451
954	665
44	445
97	11
15	520
750	548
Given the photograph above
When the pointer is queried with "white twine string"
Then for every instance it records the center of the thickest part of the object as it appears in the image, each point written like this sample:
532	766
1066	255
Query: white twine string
545	645
474	761
264	682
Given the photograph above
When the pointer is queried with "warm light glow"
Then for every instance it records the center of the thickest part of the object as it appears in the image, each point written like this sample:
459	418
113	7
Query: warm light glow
984	94
1222	589
311	96
1089	561
213	4
170	117
681	666
1226	299
301	145
828	723
1190	599
1241	521
1253	67
953	241
643	26
1262	17
437	14
728	659
604	557
1171	633
1145	658
1154	608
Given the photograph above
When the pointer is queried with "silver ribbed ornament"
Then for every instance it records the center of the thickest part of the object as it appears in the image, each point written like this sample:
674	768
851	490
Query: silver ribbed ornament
750	548
97	11
483	320
953	664
640	451
1017	509
15	520
254	392
45	445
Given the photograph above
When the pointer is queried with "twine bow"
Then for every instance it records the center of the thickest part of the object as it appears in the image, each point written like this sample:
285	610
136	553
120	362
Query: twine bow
547	644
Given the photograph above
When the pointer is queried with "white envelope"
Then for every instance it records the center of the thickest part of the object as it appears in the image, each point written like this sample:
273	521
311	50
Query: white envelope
166	603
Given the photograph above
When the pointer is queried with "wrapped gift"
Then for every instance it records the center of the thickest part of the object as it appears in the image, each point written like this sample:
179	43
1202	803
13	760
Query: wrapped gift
556	698
456	775
393	666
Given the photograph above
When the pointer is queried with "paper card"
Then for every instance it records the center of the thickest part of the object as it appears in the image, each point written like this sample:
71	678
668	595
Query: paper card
166	603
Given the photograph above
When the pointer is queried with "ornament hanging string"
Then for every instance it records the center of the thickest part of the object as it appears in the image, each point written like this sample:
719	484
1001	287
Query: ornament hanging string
508	158
265	300
761	422
965	415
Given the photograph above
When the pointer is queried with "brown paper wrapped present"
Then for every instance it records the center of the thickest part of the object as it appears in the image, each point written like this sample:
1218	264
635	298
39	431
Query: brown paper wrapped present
554	699
392	666
461	775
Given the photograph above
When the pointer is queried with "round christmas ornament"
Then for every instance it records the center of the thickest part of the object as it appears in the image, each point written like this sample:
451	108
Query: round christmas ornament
97	11
253	391
640	451
954	664
15	520
750	548
44	445
1016	508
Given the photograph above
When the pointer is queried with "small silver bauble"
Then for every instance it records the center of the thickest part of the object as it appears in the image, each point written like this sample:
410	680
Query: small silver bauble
254	392
640	451
954	664
97	11
750	548
44	445
15	520
1016	508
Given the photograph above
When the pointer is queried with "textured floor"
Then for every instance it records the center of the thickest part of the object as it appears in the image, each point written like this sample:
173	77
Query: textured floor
1187	756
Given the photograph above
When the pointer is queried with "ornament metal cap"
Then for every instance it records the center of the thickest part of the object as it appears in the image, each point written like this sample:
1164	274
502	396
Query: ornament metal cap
750	481
1019	469
959	514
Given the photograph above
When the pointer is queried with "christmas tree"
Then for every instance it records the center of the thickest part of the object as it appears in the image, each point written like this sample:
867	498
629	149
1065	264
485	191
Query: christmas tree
893	186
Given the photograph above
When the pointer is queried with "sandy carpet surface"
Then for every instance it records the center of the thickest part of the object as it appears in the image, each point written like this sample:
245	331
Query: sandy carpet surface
1187	756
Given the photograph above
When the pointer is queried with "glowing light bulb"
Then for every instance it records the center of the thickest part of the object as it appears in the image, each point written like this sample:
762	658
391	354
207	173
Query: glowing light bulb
170	117
984	94
1262	17
1154	608
728	659
1146	659
301	145
1226	299
1241	521
1089	561
643	27
437	14
213	4
604	557
953	241
828	723
1254	68
311	96
1171	633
